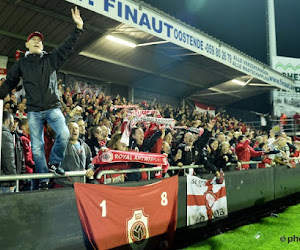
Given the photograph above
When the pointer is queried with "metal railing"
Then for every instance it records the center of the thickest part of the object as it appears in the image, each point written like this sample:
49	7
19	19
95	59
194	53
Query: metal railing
104	173
291	127
19	177
141	170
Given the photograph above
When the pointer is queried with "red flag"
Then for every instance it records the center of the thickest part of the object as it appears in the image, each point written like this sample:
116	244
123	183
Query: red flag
204	108
115	216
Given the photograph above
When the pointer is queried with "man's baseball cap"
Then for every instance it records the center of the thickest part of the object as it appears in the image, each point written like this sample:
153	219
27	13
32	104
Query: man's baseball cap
36	33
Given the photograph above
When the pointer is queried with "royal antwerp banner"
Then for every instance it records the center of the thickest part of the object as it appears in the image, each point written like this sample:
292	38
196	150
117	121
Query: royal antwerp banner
116	216
206	200
112	156
141	16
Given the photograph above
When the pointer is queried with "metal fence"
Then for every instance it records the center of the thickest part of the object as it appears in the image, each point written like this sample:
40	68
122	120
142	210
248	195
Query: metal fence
103	173
291	127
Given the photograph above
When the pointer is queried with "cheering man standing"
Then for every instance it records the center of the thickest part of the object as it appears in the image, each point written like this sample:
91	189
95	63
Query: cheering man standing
38	71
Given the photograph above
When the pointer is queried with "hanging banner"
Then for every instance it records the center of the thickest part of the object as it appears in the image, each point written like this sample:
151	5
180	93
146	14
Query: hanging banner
3	65
204	108
152	21
287	102
144	217
84	87
206	200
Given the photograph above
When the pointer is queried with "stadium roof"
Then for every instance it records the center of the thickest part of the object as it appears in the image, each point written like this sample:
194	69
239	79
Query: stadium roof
200	68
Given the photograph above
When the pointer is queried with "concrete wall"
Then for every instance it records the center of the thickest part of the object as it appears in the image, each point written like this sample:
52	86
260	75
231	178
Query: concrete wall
49	219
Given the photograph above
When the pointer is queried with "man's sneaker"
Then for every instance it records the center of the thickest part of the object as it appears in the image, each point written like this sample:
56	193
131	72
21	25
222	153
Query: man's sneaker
43	186
56	169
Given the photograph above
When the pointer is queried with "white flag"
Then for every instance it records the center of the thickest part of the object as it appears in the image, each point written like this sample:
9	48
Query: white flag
206	200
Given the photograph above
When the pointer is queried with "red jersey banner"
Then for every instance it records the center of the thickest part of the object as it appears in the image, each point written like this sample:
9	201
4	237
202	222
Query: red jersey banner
115	216
206	200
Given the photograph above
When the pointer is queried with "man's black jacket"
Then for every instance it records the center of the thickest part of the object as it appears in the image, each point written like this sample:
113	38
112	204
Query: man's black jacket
39	75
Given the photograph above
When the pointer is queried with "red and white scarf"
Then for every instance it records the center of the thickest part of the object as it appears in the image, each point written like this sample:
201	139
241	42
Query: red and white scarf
112	156
143	113
167	122
123	107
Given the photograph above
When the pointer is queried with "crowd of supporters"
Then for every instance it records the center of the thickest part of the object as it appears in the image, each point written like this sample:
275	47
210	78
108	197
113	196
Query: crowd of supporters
98	123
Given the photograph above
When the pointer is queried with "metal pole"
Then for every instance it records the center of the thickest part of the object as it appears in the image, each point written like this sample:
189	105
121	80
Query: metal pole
17	186
271	29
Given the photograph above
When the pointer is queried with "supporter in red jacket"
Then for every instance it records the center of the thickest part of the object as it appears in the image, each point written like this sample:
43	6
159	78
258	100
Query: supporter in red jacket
245	152
25	137
29	163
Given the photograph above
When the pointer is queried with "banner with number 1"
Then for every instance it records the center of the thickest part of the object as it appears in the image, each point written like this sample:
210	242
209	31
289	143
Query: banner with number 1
144	217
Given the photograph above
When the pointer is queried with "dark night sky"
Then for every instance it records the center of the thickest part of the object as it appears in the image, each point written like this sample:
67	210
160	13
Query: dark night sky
240	23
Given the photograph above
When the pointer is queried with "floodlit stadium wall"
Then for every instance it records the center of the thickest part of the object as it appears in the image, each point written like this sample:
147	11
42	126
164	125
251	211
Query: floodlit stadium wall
49	219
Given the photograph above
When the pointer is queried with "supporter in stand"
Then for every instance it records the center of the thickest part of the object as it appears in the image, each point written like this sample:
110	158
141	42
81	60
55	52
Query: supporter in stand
283	120
18	147
13	103
266	161
192	147
74	114
97	140
234	139
296	154
138	143
115	144
221	137
271	139
60	88
244	151
78	157
82	126
282	158
20	113
258	146
8	165
207	157
226	159
296	121
29	162
38	71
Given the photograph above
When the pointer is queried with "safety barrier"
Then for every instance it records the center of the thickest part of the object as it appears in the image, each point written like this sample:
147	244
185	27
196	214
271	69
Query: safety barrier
49	219
291	127
19	177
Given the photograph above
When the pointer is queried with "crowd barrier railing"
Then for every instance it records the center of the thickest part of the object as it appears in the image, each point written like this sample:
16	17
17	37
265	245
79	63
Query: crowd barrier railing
103	173
19	177
290	127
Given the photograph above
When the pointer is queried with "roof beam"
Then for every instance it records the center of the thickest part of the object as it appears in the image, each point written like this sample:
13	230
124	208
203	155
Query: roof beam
20	37
224	92
53	14
197	90
104	59
216	93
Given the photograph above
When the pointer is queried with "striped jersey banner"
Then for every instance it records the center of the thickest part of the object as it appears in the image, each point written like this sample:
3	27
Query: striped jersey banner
206	200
